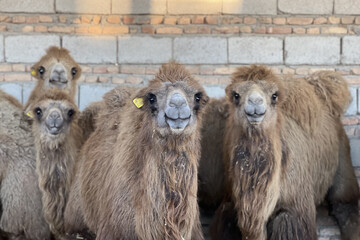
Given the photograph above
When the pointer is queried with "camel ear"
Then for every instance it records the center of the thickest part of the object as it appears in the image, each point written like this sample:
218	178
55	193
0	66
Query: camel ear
139	98
228	92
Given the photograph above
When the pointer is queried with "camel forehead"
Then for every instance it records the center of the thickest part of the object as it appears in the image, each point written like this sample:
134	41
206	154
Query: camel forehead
181	87
62	105
264	86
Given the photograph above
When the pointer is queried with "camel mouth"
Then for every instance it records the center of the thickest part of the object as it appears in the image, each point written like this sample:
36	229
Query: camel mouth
54	130
178	124
255	119
57	81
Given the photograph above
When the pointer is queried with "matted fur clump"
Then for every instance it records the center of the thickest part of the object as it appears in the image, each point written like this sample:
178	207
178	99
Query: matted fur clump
140	182
285	150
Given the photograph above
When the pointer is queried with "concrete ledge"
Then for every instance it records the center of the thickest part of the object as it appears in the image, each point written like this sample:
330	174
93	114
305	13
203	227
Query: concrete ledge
27	6
196	50
138	6
258	7
194	7
83	6
351	50
144	50
306	6
312	50
249	50
28	48
86	49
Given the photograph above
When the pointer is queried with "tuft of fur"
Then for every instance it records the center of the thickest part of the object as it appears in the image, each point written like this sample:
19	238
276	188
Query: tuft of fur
138	183
332	88
279	170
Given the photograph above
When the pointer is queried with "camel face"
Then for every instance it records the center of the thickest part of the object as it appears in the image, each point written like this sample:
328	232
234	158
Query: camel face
57	69
53	117
255	103
174	107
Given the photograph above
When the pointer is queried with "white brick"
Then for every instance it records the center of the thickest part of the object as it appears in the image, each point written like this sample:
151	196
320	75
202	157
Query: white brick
14	89
351	50
215	91
248	50
139	6
250	7
353	108
347	7
312	50
92	92
144	50
29	48
83	6
355	151
1	48
200	50
27	89
27	6
85	49
194	7
306	6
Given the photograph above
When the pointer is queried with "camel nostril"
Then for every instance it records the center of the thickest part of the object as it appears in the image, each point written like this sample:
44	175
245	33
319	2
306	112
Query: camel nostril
255	98
177	100
58	73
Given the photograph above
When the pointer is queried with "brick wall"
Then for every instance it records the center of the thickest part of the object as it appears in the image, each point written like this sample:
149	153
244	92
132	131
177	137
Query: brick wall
124	42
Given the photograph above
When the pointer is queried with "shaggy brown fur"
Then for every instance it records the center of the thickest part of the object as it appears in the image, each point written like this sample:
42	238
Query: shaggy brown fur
44	73
145	188
108	120
284	165
211	167
55	153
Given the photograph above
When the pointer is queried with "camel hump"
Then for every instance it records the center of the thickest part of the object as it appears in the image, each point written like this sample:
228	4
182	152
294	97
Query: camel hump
10	99
332	88
117	97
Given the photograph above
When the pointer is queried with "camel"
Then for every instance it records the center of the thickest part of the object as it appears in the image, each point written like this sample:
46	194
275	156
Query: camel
58	139
20	194
21	206
106	123
211	167
285	150
56	69
142	182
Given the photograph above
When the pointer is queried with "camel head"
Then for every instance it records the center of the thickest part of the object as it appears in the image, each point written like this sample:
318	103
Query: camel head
54	113
57	69
173	100
254	94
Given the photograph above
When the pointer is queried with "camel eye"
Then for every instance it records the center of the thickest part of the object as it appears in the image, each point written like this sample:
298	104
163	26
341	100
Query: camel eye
152	98
274	97
236	97
73	71
41	70
38	112
71	113
198	97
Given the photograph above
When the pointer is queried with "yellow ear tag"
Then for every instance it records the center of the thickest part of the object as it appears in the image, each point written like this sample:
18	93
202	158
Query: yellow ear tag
139	102
30	114
33	72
